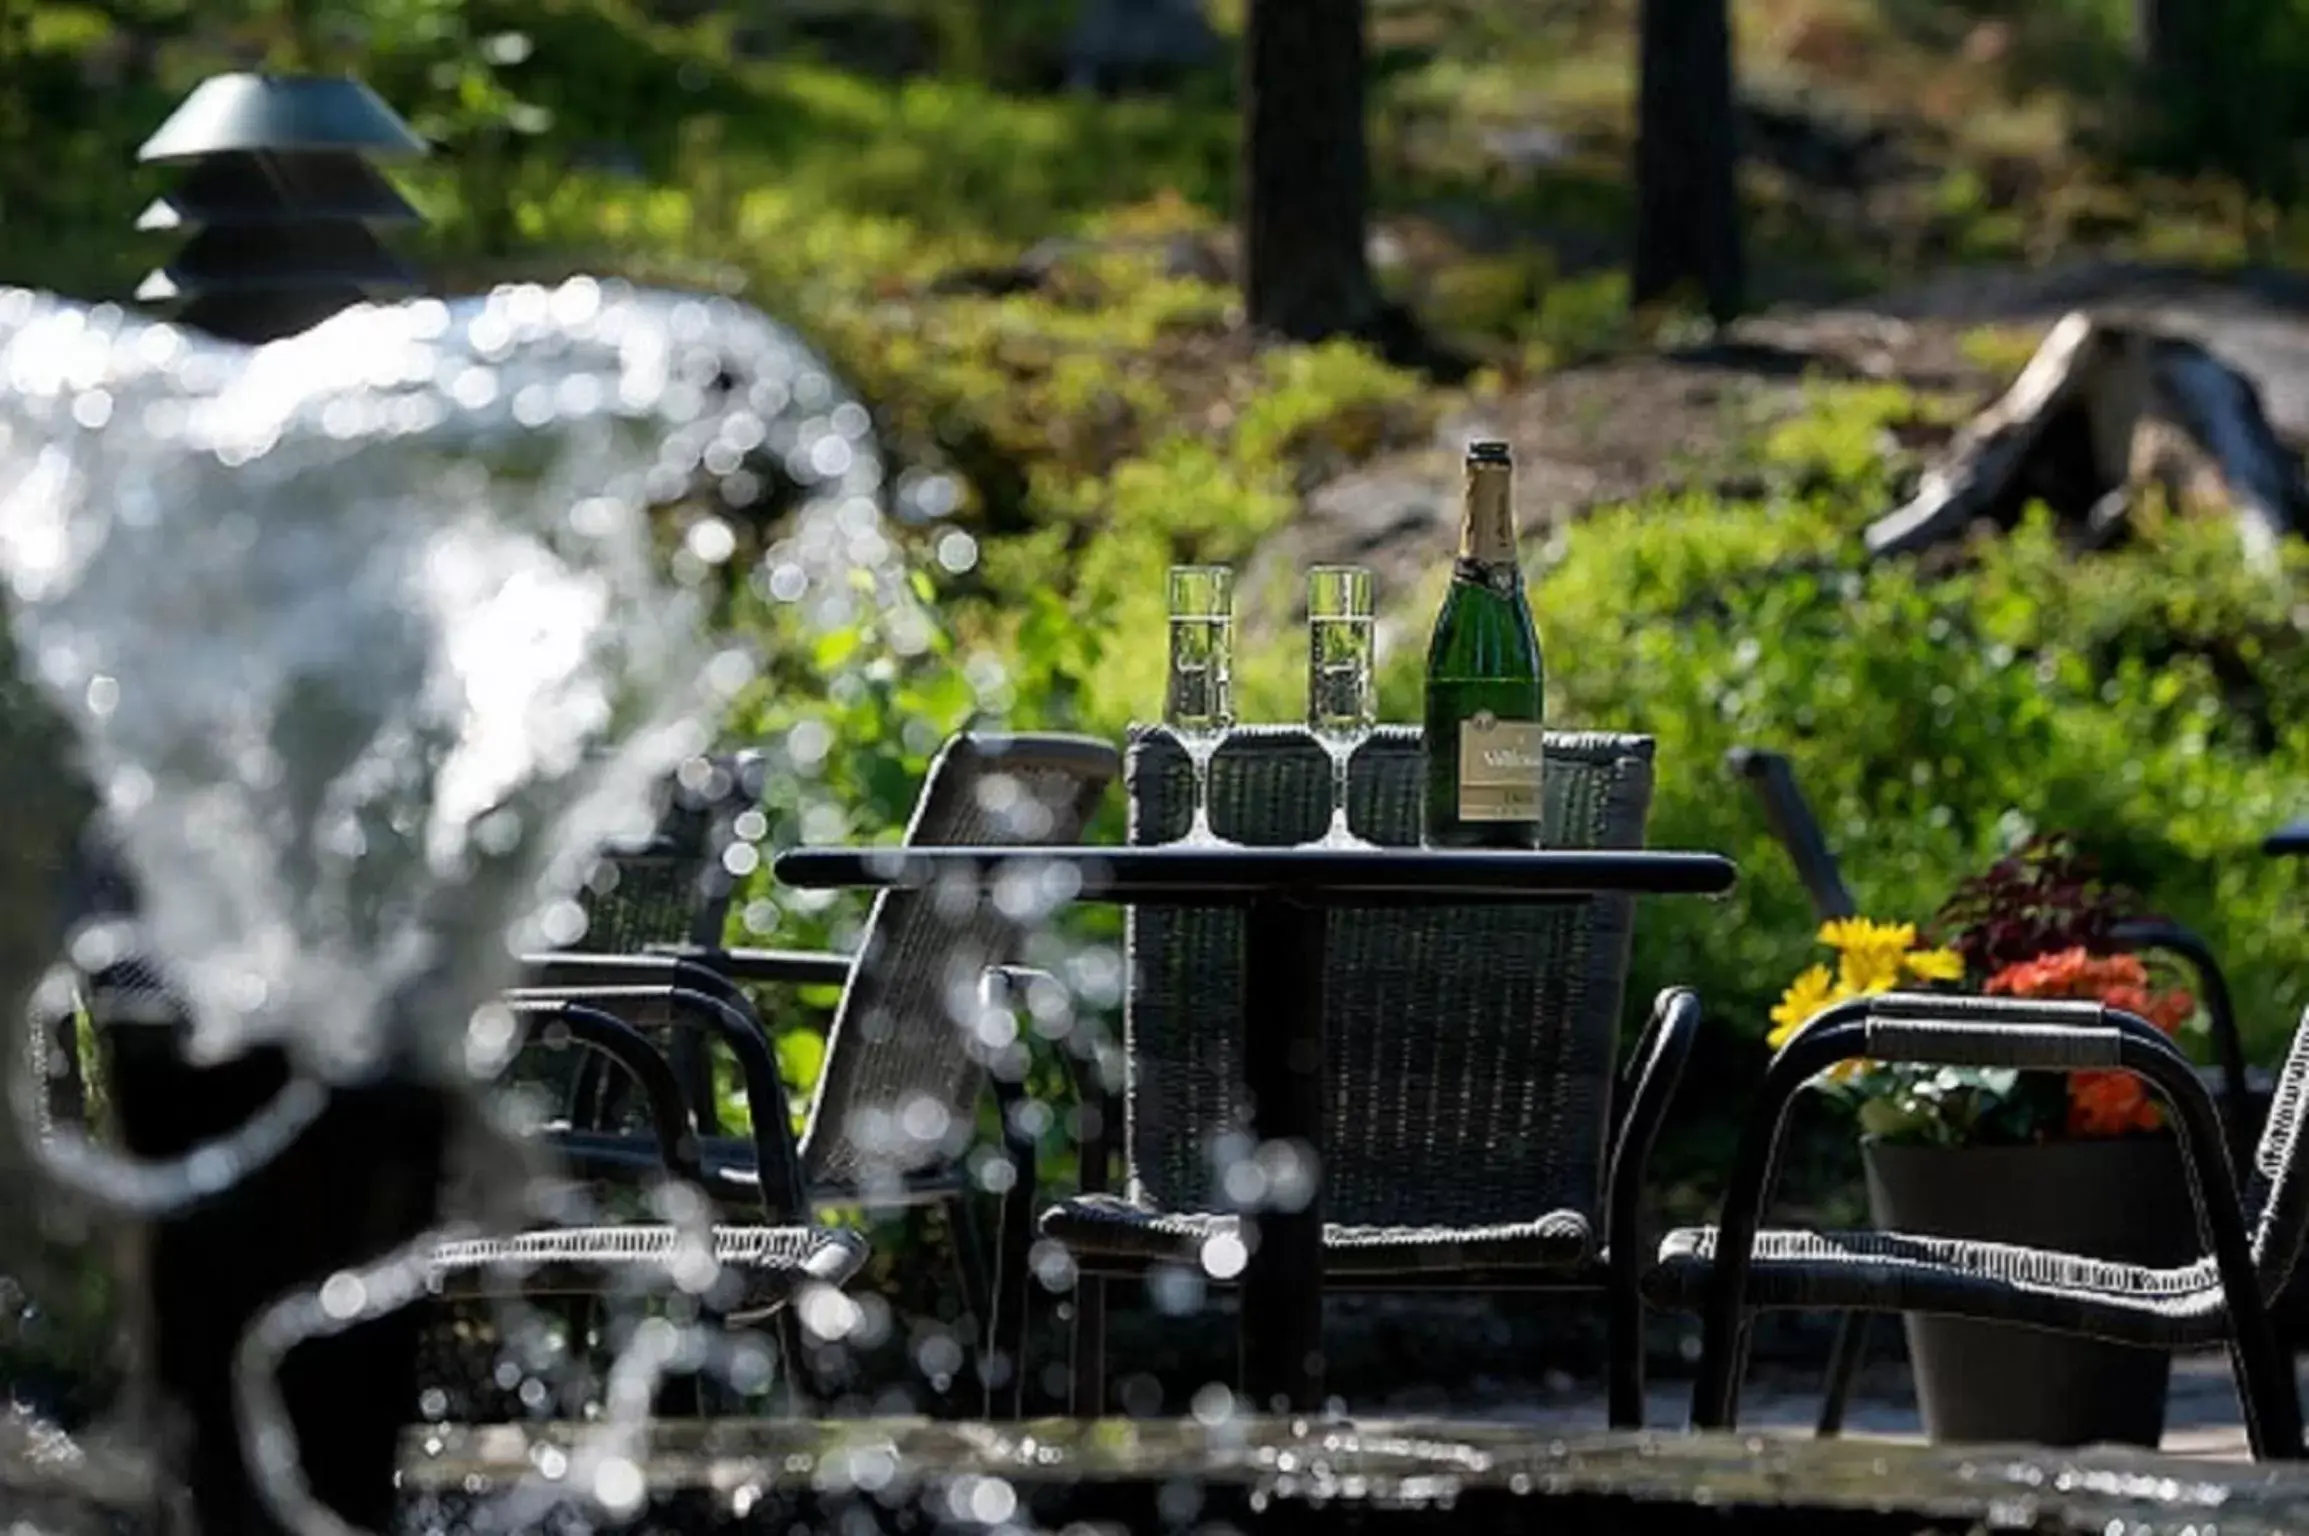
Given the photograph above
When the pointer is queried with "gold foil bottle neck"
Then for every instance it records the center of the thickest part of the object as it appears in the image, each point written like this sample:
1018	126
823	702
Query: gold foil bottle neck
1487	522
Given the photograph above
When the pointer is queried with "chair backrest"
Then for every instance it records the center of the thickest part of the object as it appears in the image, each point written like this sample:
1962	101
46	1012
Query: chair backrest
1796	829
2276	1182
903	1072
668	890
1470	1049
673	888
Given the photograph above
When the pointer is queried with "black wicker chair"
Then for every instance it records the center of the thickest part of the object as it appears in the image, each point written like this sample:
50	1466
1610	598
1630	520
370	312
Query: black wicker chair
739	1275
1472	1092
895	1112
2244	1093
670	891
2223	1297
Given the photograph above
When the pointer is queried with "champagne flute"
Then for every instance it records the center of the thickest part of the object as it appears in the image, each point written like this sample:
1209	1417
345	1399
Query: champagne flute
1342	703
1201	706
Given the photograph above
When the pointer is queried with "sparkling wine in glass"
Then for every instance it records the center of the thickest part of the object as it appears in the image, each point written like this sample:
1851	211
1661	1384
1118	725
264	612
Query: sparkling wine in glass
1342	702
1201	707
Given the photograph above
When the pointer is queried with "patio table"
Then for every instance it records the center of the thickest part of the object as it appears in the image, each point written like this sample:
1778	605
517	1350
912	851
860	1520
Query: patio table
1285	893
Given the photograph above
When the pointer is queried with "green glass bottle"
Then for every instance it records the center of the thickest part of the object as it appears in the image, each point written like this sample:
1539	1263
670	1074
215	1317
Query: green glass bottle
1486	695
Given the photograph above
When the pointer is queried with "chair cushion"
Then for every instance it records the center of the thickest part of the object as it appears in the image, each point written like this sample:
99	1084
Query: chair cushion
752	1270
1996	1282
1099	1228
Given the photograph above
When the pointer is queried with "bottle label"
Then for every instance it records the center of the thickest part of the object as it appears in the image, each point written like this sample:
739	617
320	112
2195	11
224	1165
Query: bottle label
1500	762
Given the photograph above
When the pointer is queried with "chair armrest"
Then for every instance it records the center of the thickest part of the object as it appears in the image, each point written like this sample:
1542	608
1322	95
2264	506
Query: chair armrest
564	970
737	1026
1926	1028
799	967
1796	829
1648	1084
2220	1015
603	1031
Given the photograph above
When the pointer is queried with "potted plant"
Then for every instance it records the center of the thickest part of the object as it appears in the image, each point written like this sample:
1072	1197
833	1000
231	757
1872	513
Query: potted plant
2082	1164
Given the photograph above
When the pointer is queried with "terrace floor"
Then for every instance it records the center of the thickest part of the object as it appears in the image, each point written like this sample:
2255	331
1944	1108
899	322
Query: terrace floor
2201	1419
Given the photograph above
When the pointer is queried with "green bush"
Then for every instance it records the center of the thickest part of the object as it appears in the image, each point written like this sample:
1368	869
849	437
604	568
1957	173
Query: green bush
2147	700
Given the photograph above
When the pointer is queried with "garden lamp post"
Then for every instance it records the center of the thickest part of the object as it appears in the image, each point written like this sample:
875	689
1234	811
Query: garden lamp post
279	193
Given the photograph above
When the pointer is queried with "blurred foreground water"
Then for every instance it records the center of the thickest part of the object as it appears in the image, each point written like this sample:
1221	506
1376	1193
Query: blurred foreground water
364	642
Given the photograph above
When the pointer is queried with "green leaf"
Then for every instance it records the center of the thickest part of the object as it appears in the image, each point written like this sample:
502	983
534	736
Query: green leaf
801	1056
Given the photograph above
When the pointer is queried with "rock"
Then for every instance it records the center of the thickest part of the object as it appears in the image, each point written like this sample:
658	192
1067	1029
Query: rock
2070	432
1528	146
1367	512
1118	41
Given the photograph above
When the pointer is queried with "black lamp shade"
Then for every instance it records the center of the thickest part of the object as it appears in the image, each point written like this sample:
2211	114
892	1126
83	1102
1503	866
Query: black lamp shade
278	199
282	114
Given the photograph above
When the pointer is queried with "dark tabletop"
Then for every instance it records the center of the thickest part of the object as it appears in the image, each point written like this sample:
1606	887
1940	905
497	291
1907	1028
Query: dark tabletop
2290	840
1325	876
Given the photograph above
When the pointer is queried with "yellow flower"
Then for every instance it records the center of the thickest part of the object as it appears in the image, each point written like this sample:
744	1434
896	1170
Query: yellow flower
1806	996
1857	935
1862	971
1934	964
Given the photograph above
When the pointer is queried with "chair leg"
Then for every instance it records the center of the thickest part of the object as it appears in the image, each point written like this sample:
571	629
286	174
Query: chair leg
1089	1347
1844	1359
1625	1389
1723	1361
681	1397
794	1354
1004	1365
962	1226
2266	1389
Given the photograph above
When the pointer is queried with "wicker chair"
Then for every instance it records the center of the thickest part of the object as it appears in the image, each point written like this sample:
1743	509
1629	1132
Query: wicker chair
738	1275
668	891
1471	1051
896	1106
1728	1272
2244	1093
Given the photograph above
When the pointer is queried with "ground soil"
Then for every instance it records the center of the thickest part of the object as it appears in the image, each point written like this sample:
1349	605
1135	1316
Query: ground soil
1614	430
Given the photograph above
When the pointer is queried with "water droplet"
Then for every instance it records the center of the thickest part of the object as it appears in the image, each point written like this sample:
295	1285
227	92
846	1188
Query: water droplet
618	1486
957	551
1224	1256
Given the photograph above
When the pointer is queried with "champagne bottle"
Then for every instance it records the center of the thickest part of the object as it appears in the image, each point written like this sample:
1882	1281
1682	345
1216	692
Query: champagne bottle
1485	694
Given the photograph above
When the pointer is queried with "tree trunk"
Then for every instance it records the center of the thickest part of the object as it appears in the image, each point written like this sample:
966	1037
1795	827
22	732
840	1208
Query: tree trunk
2174	40
1306	169
2210	88
1687	187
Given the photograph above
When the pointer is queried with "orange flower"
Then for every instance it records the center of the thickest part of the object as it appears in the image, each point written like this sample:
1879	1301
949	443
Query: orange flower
2070	973
2167	1010
2102	1103
2109	1104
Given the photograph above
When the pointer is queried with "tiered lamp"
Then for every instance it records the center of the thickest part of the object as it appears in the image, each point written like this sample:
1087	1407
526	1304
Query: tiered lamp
281	198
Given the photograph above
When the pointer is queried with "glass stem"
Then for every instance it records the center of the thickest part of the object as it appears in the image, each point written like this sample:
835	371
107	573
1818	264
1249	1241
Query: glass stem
1339	762
1200	830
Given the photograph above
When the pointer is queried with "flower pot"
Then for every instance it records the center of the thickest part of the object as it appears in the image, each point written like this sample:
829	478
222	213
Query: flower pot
2125	1199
